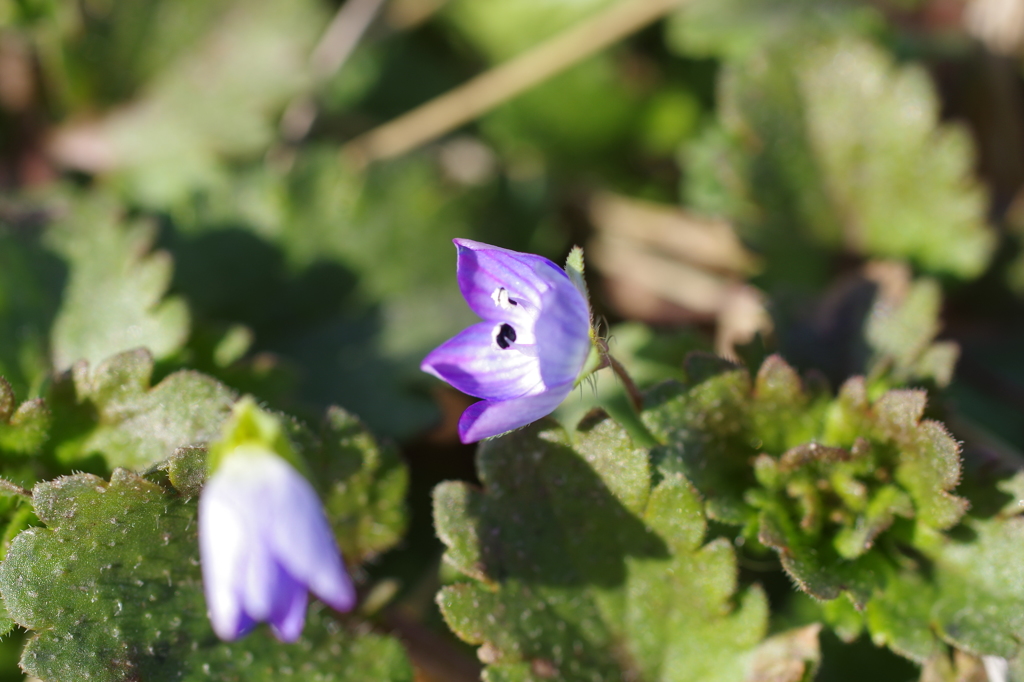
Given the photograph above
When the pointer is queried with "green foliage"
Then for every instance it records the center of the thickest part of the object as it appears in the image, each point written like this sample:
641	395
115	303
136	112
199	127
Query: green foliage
178	229
586	564
833	145
737	28
31	280
111	590
902	335
24	430
853	496
829	477
112	270
575	115
363	484
248	63
110	410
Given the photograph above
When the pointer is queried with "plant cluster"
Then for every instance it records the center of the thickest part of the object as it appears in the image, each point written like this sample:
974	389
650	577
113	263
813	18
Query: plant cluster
786	397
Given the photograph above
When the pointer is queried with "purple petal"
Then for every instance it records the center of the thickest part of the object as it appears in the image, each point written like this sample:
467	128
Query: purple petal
492	418
303	543
562	332
483	270
222	549
475	365
264	540
289	614
260	581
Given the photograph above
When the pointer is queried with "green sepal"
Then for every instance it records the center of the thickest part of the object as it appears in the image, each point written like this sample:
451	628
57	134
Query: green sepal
251	428
574	268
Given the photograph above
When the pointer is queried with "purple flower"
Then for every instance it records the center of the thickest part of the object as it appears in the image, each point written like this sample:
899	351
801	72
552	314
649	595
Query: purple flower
526	356
264	542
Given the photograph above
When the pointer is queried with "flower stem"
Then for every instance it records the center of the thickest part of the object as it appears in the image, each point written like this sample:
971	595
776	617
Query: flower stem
635	397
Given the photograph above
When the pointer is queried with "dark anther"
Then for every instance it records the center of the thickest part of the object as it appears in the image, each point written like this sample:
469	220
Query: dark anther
506	335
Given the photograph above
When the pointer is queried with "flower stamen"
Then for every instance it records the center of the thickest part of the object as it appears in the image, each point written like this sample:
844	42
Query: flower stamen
501	299
506	336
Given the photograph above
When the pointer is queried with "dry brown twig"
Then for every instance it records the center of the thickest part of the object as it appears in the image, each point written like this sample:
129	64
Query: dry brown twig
500	84
336	45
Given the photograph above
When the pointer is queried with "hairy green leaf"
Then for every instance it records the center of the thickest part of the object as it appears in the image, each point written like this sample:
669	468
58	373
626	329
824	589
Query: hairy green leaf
110	589
363	484
24	430
114	299
819	480
834	142
901	329
585	567
131	424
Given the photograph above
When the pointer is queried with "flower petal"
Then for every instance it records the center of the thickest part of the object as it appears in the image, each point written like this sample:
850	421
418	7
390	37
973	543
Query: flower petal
265	542
289	614
303	543
492	418
562	332
475	365
483	270
222	548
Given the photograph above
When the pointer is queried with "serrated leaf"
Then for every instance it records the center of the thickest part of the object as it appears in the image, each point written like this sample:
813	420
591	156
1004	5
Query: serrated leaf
27	430
900	617
902	184
818	480
901	330
111	590
133	425
735	28
363	484
168	142
114	299
980	589
969	595
694	435
584	569
840	149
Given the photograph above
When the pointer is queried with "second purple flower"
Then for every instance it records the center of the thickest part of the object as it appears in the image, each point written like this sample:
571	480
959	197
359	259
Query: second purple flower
527	354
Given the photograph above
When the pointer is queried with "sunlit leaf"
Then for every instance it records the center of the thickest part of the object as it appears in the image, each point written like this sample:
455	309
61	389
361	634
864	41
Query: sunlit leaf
110	589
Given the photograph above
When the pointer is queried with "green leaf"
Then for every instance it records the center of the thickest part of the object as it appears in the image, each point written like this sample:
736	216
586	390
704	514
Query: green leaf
363	484
583	567
131	424
901	329
980	589
833	147
736	28
22	431
114	299
111	591
819	480
504	28
168	142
